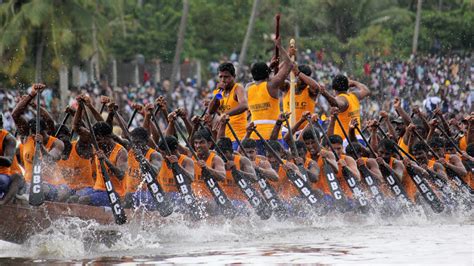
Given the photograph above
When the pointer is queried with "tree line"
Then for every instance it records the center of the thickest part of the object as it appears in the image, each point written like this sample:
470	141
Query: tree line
38	38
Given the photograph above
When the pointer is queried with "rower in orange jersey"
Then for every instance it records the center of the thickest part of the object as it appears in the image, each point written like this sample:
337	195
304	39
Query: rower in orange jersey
310	165
10	180
259	163
337	144
53	184
114	156
233	103
386	156
76	165
283	186
244	166
137	192
212	163
319	155
166	176
347	101
448	159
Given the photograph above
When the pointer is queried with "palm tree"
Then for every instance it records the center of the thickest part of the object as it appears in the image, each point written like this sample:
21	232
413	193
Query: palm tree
179	48
57	31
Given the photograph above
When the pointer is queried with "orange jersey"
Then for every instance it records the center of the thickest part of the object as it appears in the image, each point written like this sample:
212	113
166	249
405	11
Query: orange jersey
16	168
134	175
199	186
76	171
283	186
238	122
352	111
230	187
3	169
403	145
166	177
264	109
303	102
119	186
49	173
407	183
463	143
323	184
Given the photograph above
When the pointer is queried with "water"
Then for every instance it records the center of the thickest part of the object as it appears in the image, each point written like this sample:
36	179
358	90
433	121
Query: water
332	239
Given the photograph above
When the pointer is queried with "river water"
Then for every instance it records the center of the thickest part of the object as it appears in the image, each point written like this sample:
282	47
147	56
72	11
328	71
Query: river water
333	239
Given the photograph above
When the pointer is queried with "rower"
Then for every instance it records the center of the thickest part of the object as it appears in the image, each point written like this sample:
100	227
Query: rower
166	177
136	193
448	159
259	163
114	156
348	102
233	102
75	165
53	185
243	165
10	180
306	92
206	159
285	189
386	156
263	97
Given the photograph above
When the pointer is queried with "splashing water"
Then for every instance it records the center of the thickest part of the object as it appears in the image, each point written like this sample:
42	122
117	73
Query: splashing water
334	238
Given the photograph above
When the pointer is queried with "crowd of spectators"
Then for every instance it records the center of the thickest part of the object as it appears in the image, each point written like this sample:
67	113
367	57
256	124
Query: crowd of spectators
423	81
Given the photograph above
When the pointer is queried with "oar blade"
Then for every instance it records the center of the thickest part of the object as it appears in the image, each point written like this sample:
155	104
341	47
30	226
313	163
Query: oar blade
36	189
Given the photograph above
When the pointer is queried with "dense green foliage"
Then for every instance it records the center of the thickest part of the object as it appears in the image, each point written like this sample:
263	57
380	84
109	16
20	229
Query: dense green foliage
350	31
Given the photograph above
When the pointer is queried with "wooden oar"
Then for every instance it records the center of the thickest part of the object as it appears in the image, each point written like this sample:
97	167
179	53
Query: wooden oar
303	170
265	187
348	177
262	209
277	35
129	123
333	183
367	177
465	188
36	190
114	198
183	181
304	188
62	124
161	199
419	181
393	182
219	195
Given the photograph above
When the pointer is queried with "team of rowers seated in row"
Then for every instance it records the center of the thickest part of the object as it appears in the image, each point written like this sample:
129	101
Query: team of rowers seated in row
71	171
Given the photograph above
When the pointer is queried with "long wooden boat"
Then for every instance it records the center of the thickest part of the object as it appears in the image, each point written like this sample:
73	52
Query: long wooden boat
20	221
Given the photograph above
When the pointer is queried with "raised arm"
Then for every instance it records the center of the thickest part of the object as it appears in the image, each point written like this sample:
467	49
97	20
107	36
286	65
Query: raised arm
400	111
314	87
361	90
77	124
334	101
388	123
19	110
277	127
278	80
332	122
90	106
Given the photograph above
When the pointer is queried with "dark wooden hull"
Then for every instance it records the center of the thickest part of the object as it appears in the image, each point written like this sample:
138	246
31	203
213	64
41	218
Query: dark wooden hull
19	222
